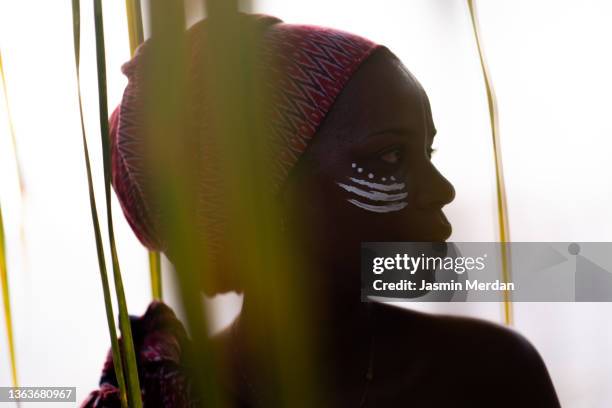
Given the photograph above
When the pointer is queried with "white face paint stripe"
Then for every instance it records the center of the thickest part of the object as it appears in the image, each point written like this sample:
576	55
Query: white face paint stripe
373	195
378	186
379	208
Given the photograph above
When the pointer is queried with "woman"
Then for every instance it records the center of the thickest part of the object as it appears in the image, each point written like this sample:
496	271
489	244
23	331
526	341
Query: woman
354	130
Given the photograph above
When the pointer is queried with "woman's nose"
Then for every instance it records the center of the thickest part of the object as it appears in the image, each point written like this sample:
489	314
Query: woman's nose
435	190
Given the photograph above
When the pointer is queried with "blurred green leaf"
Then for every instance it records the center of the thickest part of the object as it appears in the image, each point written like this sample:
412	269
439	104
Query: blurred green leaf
12	129
166	89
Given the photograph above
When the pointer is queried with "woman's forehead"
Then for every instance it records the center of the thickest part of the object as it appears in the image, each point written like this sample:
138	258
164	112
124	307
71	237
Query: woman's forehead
383	95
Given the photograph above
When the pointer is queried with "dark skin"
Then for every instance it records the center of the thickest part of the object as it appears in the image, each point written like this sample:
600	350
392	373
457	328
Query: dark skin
382	121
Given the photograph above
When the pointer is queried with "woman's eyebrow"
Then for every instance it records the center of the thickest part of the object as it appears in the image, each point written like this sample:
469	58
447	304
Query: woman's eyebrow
397	130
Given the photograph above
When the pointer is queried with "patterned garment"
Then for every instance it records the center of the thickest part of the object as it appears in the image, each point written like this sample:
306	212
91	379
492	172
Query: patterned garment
159	341
311	66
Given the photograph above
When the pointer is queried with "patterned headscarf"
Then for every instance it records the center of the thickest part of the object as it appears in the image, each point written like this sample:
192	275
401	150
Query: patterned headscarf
316	63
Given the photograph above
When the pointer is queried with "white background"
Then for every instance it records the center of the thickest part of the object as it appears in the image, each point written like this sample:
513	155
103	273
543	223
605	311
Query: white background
550	64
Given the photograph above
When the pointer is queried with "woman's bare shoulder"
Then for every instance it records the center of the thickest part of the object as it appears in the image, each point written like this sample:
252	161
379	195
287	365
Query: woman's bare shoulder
463	332
481	360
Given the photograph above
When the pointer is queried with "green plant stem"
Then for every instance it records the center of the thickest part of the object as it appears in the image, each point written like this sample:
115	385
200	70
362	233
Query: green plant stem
116	352
502	206
133	384
7	303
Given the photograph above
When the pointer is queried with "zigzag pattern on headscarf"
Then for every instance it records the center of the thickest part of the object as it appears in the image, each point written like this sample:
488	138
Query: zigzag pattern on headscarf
311	67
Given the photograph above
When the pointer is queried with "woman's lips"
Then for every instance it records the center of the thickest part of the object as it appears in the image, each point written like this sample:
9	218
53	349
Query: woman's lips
444	219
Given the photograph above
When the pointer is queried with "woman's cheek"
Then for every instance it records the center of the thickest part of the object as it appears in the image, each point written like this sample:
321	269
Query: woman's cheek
371	192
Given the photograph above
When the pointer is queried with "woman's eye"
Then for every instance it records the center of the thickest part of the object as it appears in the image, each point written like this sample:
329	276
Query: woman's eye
392	156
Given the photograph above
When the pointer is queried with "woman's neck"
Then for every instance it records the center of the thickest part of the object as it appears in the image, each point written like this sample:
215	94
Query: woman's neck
340	334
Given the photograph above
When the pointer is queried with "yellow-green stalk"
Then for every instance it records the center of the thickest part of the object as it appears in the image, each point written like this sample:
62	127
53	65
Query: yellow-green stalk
134	20
502	206
136	35
3	265
7	304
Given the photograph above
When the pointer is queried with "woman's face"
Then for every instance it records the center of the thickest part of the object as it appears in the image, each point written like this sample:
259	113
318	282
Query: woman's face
368	175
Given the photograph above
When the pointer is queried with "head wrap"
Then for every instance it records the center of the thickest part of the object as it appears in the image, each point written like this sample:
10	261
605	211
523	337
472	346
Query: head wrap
316	63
